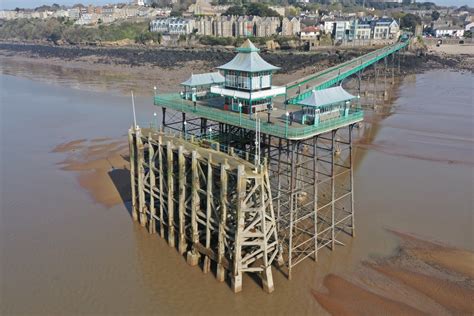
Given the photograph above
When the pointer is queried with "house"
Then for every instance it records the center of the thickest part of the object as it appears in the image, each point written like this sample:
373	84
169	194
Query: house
172	26
290	27
74	13
338	28
310	33
267	27
385	28
362	30
469	27
87	18
450	31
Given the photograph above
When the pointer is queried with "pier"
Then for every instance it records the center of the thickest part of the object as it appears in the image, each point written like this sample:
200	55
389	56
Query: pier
242	176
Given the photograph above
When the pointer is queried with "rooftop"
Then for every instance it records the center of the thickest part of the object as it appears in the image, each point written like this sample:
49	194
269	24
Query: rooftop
326	97
204	79
248	60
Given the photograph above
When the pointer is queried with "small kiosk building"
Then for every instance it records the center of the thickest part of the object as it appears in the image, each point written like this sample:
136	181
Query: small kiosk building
326	104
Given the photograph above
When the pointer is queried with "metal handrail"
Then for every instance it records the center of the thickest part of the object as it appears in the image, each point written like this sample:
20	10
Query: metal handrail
173	101
380	53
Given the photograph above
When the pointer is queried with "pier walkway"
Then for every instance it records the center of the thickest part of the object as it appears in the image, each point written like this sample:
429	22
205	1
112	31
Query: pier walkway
329	77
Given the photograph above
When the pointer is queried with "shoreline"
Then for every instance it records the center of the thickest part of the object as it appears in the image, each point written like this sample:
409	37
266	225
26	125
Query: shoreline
172	58
141	69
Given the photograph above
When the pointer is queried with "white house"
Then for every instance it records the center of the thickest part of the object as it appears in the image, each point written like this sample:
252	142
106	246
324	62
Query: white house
386	28
309	33
452	31
469	27
172	25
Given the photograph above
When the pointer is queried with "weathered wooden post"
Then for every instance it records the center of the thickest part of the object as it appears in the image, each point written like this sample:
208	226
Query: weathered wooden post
170	173
223	220
209	195
133	177
152	185
193	254
141	183
181	200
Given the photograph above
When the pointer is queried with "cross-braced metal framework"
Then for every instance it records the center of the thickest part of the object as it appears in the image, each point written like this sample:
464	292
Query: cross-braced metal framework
209	204
313	191
311	182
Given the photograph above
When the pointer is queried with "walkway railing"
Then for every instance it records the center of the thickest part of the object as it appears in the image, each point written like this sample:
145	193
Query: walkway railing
174	101
357	64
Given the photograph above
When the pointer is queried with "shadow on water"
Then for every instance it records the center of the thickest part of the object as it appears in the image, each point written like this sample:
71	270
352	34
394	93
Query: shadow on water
121	179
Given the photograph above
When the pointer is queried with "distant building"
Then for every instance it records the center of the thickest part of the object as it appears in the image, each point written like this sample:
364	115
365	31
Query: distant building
290	27
172	26
87	18
310	33
238	26
469	27
386	28
451	31
338	28
74	13
362	30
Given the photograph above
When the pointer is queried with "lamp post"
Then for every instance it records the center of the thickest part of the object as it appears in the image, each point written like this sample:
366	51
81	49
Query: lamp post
240	113
194	98
269	112
156	121
286	127
210	132
185	131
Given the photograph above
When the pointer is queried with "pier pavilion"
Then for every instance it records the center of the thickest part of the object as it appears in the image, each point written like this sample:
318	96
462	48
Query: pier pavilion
240	194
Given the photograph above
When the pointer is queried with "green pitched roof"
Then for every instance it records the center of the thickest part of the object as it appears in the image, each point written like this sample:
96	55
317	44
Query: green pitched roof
204	79
326	97
248	60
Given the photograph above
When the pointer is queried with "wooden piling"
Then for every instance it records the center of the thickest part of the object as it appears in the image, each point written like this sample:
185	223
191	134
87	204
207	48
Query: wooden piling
220	275
193	254
141	184
133	177
170	174
181	200
209	195
161	186
152	185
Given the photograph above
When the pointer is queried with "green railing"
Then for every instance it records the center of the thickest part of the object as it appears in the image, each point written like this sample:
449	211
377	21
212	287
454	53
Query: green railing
174	101
360	64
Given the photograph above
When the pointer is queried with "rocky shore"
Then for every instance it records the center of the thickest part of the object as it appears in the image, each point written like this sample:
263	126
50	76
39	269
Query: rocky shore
171	57
141	68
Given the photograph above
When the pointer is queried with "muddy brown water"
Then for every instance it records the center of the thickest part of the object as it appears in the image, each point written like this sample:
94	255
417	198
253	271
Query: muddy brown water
61	252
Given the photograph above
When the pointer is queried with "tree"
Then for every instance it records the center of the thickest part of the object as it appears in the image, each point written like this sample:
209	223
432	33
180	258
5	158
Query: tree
258	9
176	13
435	15
235	10
410	21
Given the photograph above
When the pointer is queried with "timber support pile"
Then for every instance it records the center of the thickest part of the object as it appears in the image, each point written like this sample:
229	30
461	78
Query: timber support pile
214	207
